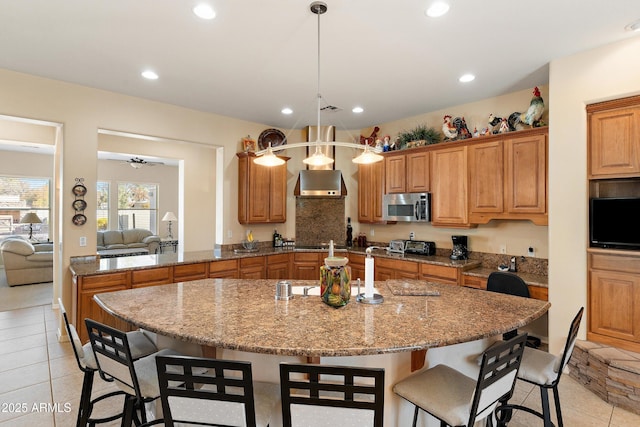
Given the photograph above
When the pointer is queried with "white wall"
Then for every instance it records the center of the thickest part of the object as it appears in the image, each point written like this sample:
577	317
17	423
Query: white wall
606	73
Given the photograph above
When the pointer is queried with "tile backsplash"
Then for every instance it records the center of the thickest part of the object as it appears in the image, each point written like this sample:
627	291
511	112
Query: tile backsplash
319	220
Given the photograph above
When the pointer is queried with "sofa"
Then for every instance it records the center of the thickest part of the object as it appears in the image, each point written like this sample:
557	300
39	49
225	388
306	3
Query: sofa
135	238
26	263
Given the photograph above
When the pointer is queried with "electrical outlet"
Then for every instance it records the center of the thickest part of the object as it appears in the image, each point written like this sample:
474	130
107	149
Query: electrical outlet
372	232
229	234
83	241
412	235
531	251
503	248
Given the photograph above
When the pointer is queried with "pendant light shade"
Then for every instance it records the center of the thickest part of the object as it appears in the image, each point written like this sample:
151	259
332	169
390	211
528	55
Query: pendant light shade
318	158
268	158
367	157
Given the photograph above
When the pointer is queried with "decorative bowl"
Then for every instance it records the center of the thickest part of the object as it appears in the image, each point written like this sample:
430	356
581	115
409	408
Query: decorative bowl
336	261
250	245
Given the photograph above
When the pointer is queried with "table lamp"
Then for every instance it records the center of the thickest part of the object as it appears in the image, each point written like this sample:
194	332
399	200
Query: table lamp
30	218
169	216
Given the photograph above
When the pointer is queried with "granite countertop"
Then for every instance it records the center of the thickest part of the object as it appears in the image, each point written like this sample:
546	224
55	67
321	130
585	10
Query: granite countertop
91	266
244	315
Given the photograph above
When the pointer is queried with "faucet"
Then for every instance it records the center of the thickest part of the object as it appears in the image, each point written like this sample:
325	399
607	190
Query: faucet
512	264
305	290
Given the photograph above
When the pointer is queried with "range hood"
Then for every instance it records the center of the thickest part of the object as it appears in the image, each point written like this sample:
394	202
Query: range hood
320	183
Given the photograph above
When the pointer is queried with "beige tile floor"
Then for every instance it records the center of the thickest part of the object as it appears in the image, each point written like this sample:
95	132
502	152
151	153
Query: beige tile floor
40	382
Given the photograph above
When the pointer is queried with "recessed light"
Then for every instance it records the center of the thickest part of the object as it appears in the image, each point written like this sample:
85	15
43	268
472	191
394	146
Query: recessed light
204	11
634	26
357	110
150	75
437	9
466	78
286	110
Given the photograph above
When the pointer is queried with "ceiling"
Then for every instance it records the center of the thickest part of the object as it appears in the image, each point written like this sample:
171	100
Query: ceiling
257	56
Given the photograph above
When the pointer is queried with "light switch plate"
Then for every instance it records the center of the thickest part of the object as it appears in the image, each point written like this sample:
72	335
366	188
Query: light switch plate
83	241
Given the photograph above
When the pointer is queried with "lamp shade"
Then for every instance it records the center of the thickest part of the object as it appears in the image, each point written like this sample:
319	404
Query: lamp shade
30	218
169	216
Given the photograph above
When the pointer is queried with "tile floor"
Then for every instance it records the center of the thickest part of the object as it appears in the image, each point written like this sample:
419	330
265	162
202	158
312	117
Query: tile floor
40	382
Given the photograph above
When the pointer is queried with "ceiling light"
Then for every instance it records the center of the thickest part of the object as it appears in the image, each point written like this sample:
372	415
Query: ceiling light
357	110
437	9
204	11
466	78
287	111
269	159
150	75
634	26
318	158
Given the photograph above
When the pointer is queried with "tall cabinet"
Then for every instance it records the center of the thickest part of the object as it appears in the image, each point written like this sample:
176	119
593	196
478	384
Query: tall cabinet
371	186
262	191
613	309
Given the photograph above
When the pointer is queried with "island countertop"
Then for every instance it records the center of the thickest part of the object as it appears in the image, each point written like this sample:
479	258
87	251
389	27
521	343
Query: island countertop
243	315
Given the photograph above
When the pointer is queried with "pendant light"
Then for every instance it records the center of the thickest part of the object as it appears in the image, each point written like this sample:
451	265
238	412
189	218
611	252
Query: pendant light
318	158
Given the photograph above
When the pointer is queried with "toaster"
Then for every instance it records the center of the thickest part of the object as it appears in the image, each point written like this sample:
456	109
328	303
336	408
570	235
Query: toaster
396	246
419	247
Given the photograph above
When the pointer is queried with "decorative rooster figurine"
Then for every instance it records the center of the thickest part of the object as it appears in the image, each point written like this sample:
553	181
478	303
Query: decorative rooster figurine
448	128
533	114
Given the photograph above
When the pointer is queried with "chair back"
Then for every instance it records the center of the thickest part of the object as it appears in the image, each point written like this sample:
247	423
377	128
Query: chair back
497	378
76	343
113	355
568	346
205	391
507	283
328	386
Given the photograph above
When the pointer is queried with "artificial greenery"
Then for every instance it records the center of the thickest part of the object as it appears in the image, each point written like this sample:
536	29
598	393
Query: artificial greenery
410	138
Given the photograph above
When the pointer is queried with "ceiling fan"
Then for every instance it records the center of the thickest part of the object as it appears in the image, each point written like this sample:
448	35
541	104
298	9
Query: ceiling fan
137	162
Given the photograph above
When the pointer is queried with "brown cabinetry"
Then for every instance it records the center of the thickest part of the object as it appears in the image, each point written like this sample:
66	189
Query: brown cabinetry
227	269
614	138
252	268
449	187
508	178
439	273
356	262
262	191
306	265
278	266
407	173
614	298
371	185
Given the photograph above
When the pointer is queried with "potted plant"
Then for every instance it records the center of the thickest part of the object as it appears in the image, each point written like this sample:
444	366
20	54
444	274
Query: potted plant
419	136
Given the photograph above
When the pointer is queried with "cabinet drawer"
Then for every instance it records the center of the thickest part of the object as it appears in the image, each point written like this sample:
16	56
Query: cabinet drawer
474	282
356	259
190	271
252	262
538	292
615	262
152	275
439	273
276	259
105	280
217	266
306	256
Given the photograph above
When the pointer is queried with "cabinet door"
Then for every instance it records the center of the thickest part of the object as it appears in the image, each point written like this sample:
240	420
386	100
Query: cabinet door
614	143
406	270
418	172
486	178
262	191
395	168
371	185
306	265
449	187
614	301
278	266
227	269
259	192
252	268
278	194
526	175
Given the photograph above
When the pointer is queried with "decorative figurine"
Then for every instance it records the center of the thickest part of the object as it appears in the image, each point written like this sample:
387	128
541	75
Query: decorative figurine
449	130
461	128
533	114
494	123
504	126
475	132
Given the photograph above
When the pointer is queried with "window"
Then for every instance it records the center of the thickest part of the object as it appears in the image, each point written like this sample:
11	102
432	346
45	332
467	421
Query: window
19	196
137	206
102	212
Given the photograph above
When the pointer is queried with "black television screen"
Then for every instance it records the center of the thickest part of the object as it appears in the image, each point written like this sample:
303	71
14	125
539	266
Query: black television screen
615	223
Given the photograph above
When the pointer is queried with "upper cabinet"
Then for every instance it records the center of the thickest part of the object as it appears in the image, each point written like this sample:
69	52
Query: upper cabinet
614	138
508	178
449	187
407	172
371	186
262	191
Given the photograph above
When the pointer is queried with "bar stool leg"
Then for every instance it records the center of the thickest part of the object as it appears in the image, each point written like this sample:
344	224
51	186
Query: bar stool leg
85	400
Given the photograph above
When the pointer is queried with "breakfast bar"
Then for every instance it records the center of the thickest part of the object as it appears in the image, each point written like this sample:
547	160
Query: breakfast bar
242	319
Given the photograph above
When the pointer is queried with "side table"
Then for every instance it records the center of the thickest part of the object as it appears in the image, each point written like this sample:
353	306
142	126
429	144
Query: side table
165	243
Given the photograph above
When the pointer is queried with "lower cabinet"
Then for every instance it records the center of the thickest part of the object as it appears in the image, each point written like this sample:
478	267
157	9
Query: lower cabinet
439	273
306	265
227	269
252	268
614	299
278	266
388	268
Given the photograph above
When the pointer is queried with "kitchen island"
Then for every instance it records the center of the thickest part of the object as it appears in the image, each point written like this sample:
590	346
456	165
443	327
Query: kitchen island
241	319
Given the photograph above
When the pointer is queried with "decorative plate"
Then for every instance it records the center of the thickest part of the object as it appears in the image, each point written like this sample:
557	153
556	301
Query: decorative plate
273	136
79	190
79	219
79	205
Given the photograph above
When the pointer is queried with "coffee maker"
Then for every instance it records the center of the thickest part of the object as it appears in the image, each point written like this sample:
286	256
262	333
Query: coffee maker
460	250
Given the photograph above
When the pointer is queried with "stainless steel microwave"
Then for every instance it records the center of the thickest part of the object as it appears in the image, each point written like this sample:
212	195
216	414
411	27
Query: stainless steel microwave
412	207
